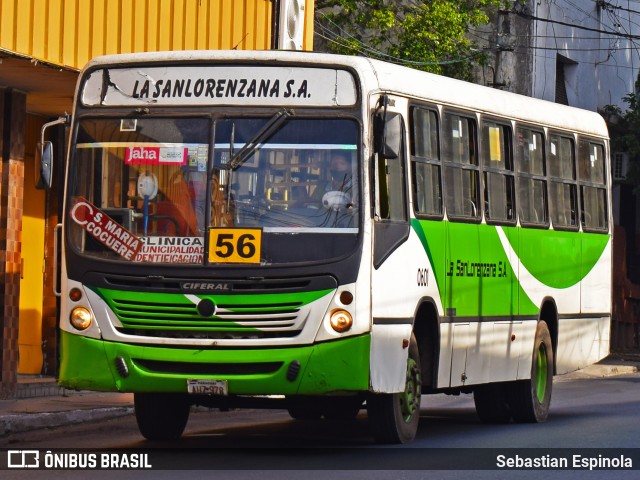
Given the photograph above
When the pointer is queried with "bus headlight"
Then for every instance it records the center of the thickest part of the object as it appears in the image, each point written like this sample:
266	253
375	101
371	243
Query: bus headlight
341	320
81	318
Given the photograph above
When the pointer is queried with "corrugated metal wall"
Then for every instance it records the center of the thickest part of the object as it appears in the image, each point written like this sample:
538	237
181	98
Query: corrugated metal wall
71	32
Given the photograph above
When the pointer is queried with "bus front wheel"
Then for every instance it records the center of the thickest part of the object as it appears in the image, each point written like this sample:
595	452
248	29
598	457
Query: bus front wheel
530	399
161	416
394	417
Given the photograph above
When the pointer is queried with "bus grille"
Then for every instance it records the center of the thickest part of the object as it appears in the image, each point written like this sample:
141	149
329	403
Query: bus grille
181	319
187	368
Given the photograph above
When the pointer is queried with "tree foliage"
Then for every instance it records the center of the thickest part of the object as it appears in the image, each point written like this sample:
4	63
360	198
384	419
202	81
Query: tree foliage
431	35
623	130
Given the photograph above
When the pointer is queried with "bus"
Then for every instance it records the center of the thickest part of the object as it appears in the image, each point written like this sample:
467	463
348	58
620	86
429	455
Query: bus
326	234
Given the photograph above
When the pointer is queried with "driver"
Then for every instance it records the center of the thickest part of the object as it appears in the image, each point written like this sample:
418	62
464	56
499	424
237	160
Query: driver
340	169
341	177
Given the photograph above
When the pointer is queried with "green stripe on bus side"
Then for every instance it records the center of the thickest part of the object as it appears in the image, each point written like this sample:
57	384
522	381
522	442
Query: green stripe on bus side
473	272
558	259
479	279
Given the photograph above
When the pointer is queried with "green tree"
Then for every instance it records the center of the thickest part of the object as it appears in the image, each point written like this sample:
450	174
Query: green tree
430	35
624	128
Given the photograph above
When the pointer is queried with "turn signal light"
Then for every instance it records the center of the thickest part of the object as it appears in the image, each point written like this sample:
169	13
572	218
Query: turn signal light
341	321
75	294
346	297
81	318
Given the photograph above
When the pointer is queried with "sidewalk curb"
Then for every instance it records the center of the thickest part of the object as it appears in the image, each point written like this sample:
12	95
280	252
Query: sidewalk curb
608	370
33	421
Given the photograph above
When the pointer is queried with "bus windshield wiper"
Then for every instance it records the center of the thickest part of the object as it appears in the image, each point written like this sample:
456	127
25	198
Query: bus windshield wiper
271	127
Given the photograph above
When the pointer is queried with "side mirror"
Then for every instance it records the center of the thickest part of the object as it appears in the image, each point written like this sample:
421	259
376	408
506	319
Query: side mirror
388	134
45	160
44	155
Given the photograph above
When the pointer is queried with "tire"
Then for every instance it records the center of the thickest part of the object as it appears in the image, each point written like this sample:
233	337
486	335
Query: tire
394	418
492	403
161	416
529	400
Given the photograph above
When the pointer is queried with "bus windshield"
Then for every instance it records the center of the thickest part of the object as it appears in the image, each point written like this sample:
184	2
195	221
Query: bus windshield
148	190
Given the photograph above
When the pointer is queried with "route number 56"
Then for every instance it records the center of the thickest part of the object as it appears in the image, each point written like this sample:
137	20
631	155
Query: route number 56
235	245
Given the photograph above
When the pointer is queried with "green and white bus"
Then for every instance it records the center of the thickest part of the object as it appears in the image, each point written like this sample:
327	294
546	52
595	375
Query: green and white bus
214	253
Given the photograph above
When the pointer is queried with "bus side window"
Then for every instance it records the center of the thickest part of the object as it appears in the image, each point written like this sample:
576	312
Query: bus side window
425	163
390	186
593	189
532	183
391	191
391	228
497	163
461	171
562	185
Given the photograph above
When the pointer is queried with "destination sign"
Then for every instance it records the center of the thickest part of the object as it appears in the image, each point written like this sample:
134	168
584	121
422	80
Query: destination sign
219	85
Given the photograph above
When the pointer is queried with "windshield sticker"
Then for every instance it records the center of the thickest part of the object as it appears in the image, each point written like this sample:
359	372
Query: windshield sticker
156	156
105	229
171	250
198	156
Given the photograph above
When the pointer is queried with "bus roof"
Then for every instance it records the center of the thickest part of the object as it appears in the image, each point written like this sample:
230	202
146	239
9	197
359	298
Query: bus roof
378	76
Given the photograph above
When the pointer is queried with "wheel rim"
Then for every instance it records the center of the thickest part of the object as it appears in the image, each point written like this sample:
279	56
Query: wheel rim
410	398
541	373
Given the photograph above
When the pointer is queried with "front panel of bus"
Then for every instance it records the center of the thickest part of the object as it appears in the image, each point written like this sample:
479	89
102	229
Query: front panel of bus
213	231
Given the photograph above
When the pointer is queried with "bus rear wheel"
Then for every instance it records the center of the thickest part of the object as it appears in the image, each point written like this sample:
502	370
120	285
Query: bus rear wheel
161	416
529	400
394	417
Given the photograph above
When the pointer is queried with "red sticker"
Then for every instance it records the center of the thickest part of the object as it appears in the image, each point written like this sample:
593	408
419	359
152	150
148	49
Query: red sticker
156	156
105	229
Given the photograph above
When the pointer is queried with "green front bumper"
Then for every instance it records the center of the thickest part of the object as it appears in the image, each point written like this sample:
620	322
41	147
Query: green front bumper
90	364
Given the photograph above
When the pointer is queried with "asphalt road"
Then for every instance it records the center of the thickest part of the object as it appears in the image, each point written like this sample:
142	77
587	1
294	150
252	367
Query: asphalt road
591	417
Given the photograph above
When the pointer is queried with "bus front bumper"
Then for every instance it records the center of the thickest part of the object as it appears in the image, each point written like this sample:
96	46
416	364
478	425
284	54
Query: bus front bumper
337	366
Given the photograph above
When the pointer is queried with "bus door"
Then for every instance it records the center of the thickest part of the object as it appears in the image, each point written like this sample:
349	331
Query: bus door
501	344
393	275
463	293
482	286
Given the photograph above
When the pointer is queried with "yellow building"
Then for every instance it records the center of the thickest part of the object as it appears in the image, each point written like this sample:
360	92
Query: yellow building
43	46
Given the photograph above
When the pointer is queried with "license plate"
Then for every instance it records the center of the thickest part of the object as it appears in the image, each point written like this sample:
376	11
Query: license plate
207	387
